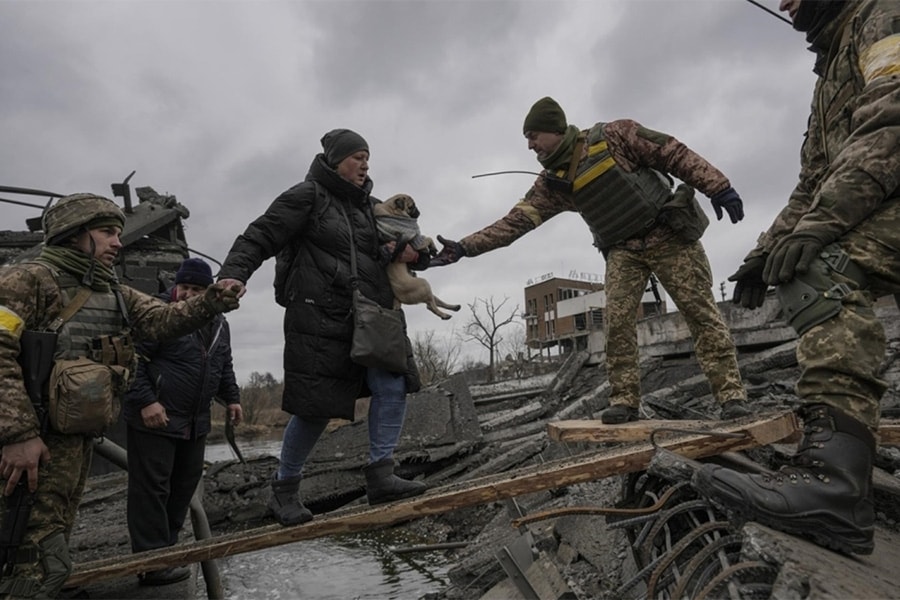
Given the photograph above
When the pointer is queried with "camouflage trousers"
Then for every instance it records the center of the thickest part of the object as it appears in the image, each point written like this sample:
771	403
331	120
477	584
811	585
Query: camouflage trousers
43	561
683	270
842	357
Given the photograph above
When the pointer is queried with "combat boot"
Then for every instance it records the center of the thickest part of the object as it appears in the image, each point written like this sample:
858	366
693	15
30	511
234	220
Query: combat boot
823	494
619	413
383	486
285	502
734	409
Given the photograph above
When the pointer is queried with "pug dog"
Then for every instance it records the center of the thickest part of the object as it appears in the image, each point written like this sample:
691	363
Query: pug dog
396	219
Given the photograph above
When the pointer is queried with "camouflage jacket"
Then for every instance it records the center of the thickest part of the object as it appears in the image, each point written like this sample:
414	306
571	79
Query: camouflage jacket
631	146
850	159
30	299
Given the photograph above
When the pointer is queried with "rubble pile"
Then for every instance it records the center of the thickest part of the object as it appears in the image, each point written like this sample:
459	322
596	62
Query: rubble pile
455	433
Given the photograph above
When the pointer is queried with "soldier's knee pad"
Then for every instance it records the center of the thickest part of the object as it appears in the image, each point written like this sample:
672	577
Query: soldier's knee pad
816	296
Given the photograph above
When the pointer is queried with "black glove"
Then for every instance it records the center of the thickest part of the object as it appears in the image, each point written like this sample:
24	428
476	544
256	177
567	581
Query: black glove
449	254
749	287
731	202
221	299
794	254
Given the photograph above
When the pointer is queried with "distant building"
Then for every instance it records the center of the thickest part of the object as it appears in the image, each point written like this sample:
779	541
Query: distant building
565	312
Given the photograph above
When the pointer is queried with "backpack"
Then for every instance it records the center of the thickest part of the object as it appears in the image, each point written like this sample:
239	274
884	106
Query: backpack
284	259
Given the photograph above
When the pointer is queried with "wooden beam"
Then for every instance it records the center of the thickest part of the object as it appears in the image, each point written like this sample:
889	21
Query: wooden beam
637	431
889	432
589	430
585	467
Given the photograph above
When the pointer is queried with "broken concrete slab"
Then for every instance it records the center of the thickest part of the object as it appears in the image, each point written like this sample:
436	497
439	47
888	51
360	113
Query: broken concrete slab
806	571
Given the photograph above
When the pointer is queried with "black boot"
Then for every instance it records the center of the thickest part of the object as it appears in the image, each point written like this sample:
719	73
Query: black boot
164	576
285	502
824	494
383	486
619	413
734	409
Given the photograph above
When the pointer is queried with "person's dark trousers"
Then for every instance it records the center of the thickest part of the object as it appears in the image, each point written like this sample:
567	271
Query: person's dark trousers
163	473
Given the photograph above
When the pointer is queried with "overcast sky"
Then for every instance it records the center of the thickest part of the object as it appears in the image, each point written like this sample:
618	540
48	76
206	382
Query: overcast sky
223	103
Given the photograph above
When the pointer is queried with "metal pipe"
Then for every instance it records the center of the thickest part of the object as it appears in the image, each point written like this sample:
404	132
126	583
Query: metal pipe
214	589
117	455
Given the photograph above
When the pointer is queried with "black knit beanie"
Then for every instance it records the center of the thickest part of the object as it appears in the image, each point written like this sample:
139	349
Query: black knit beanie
545	115
194	271
338	144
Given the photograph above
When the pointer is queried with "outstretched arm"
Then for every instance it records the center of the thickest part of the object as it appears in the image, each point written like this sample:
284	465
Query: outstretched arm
539	205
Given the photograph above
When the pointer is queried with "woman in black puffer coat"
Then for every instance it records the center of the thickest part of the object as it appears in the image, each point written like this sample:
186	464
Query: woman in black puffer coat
307	223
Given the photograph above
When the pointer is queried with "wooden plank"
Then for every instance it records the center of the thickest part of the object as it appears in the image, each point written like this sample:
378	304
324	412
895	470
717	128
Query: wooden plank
589	466
589	430
637	431
889	432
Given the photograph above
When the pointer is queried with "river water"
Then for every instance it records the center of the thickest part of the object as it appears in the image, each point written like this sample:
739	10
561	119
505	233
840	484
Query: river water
360	566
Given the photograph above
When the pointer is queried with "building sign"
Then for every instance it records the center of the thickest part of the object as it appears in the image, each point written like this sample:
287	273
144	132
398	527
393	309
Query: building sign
540	278
582	276
573	274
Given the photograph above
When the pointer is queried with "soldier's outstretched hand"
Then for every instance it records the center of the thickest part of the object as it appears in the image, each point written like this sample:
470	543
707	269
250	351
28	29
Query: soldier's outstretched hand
449	254
221	297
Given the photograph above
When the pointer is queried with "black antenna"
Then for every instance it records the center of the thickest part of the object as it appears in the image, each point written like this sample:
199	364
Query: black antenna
123	190
504	173
770	11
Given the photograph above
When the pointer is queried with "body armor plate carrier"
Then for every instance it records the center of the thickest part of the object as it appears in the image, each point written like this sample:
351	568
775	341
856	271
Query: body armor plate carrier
616	205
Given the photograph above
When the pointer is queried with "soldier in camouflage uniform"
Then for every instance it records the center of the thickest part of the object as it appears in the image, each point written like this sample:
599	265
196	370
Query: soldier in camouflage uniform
81	242
617	176
830	252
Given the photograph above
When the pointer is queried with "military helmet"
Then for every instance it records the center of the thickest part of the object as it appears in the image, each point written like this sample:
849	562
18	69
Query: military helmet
71	213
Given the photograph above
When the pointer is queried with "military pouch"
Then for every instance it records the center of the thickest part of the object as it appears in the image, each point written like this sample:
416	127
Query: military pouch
84	396
113	350
683	214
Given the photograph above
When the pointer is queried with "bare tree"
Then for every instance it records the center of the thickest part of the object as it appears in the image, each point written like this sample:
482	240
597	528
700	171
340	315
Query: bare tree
516	352
261	392
436	359
485	328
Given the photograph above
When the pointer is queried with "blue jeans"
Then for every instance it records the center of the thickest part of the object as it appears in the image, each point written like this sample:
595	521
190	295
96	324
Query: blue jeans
386	412
387	409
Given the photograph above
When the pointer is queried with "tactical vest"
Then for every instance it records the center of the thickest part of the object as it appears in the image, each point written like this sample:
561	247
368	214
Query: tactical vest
98	330
616	205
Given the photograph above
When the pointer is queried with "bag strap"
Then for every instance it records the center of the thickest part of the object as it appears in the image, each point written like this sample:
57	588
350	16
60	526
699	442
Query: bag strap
576	158
354	281
70	309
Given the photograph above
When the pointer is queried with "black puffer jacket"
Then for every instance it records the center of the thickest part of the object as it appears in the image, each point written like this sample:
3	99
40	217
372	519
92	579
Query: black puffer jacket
320	380
184	374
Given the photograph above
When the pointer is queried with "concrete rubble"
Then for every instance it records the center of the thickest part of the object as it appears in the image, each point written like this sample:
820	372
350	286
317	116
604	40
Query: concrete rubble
455	434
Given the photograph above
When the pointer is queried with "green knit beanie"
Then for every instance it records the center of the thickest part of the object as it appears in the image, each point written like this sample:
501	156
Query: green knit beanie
545	115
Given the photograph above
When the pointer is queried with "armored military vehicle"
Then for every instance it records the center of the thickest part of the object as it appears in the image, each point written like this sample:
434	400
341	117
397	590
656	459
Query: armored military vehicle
153	239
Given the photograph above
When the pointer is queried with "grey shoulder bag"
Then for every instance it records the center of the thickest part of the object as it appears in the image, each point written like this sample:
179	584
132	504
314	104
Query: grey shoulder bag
379	333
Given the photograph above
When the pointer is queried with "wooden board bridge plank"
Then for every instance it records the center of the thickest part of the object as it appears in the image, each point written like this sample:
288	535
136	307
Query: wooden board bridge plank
889	432
596	431
590	466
